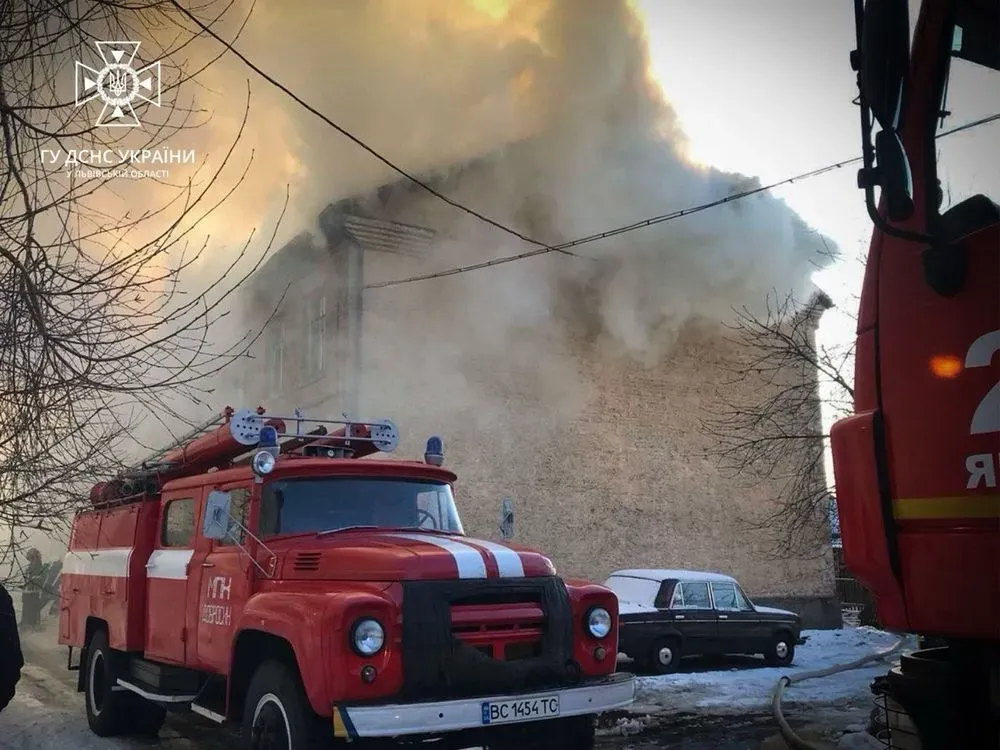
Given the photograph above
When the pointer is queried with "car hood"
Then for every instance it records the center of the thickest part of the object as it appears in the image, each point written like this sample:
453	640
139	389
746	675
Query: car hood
777	612
406	555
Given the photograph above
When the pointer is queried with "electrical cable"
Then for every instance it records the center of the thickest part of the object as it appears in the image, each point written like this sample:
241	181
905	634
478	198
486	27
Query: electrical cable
541	247
655	219
361	144
787	733
643	223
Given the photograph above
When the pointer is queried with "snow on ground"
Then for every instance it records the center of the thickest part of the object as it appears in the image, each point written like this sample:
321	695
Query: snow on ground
37	719
738	689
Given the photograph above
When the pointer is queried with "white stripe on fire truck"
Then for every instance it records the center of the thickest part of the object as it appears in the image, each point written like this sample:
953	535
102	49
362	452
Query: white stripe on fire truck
110	562
169	564
469	561
508	561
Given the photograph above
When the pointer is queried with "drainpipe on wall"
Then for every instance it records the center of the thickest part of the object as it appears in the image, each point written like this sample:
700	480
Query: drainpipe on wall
355	282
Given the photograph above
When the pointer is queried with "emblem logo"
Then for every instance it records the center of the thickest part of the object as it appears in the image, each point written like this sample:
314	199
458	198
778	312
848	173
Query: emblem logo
118	84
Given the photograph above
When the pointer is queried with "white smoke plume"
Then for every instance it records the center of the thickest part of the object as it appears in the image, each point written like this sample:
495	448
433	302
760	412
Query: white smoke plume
555	99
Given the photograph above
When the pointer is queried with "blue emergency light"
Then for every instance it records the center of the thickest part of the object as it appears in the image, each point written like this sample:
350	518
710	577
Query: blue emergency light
434	452
268	437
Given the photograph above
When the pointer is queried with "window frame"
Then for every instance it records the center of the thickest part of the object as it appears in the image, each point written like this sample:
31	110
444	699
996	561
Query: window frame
275	353
737	593
165	517
227	542
314	351
679	588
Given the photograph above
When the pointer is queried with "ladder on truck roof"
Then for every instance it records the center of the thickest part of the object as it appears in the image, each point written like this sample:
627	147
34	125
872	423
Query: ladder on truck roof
381	434
153	460
207	447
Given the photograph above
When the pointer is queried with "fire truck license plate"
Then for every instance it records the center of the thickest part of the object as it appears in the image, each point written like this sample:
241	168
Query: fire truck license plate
503	712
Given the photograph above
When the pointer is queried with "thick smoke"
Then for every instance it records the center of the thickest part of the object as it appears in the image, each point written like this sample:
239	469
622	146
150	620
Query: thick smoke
433	84
555	100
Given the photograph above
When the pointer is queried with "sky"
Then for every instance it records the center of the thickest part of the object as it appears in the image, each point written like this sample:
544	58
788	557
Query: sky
766	88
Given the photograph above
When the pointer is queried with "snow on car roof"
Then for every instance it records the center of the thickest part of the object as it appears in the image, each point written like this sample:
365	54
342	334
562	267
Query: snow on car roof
654	574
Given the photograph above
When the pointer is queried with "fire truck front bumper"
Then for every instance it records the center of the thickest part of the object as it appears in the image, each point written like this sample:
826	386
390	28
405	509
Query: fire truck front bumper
442	717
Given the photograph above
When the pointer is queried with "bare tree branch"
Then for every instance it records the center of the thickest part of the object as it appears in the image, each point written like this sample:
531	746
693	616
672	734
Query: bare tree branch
104	326
769	430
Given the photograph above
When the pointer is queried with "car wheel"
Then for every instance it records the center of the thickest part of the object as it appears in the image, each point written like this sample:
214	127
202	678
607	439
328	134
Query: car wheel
781	652
277	714
665	655
107	710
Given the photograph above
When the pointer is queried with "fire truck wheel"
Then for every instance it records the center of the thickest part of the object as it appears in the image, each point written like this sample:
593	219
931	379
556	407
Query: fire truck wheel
147	717
108	712
781	652
277	713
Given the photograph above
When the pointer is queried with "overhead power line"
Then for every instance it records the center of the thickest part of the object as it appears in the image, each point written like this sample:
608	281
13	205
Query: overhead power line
360	143
541	248
654	220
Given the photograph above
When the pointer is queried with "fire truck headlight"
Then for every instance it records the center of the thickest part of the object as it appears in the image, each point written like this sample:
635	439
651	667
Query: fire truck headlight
598	622
367	637
263	463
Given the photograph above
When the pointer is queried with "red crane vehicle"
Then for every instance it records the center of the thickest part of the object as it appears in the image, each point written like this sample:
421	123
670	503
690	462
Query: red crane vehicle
917	464
275	579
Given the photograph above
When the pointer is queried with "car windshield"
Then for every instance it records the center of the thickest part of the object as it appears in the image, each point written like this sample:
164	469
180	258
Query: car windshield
329	504
634	590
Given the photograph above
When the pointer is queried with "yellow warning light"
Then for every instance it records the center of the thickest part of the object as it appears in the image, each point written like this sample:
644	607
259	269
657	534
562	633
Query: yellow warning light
946	365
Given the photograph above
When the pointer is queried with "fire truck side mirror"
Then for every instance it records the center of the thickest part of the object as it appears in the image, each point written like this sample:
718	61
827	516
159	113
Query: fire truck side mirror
216	523
507	518
885	58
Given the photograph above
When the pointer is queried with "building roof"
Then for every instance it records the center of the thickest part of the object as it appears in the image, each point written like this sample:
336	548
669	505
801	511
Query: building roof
658	575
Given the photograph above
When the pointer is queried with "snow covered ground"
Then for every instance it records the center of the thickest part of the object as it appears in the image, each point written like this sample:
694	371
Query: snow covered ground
697	709
748	686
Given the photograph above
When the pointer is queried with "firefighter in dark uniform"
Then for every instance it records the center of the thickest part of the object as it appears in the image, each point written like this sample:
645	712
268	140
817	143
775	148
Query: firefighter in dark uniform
11	659
31	599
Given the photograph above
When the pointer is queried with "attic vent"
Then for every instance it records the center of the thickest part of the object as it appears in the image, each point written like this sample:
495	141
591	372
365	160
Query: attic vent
307	561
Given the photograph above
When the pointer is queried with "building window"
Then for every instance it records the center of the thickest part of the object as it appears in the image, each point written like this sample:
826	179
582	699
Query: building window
275	357
178	523
315	336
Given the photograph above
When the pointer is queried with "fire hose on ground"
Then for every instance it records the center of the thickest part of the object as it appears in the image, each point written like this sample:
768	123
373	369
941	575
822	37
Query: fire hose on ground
793	740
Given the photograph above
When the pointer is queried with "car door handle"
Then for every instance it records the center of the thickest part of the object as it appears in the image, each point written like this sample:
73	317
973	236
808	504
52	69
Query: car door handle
723	617
678	617
208	565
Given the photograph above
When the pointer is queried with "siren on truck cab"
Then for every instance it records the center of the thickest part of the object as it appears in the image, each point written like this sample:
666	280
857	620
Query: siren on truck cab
434	452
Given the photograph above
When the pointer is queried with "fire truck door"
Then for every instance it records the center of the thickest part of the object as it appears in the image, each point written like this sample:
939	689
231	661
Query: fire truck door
225	587
167	571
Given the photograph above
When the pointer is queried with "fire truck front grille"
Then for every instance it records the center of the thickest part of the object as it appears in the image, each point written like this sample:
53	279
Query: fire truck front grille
501	631
466	638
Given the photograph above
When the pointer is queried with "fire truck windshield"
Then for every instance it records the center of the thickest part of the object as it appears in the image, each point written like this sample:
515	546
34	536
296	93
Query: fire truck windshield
296	506
971	93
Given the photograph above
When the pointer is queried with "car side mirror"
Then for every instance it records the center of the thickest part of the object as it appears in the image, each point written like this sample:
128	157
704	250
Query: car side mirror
507	518
216	523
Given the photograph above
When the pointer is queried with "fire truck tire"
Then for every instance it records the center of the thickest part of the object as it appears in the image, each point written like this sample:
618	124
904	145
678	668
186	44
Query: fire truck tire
108	712
147	717
277	713
781	652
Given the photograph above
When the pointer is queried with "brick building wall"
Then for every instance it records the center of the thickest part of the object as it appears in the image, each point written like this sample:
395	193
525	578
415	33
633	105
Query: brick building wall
601	454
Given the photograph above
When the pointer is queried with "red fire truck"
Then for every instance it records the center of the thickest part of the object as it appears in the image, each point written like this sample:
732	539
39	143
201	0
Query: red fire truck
275	579
917	465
